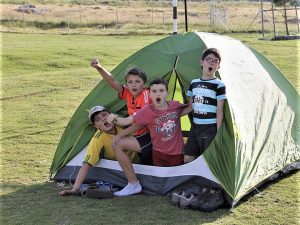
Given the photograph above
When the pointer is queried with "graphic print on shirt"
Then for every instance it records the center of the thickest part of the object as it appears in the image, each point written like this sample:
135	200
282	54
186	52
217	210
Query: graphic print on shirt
166	125
205	95
199	99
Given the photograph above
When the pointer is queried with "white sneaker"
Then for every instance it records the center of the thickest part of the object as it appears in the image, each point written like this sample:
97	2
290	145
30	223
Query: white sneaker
129	189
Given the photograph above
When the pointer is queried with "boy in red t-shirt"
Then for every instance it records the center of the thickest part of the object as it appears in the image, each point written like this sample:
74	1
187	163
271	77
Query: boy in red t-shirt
136	96
163	120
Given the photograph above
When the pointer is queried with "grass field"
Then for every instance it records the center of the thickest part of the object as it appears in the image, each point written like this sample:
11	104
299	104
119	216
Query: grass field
44	79
143	17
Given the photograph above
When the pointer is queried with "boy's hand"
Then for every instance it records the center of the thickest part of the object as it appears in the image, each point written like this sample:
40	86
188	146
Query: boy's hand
95	63
115	140
67	192
112	118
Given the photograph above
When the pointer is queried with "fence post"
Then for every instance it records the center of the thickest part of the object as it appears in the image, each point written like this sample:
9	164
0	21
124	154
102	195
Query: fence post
213	15
152	10
273	17
186	16
262	18
11	11
23	20
68	21
80	14
117	22
297	17
164	21
45	12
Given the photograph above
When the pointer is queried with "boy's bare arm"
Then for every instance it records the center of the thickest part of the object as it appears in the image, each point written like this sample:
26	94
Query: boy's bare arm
112	118
187	109
106	75
133	128
220	112
79	180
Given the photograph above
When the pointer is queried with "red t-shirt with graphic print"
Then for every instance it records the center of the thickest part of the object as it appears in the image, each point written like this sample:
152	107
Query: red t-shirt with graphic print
164	126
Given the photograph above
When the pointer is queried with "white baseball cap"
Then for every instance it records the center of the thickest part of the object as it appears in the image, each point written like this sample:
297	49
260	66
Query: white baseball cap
97	108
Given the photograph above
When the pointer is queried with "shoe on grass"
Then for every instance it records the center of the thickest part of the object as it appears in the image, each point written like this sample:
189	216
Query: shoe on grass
200	199
214	201
129	189
185	201
176	197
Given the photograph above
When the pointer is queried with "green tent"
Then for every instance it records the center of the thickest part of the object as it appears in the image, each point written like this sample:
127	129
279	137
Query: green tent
259	137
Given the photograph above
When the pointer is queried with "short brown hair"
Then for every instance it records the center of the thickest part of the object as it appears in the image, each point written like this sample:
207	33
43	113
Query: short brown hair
136	71
213	51
159	81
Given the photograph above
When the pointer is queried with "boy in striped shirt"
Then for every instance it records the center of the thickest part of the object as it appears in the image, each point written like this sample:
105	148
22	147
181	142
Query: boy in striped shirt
206	97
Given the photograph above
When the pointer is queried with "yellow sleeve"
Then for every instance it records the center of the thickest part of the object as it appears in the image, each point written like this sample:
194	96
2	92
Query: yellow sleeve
94	149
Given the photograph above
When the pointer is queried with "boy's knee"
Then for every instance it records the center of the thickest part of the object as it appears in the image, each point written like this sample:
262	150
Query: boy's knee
119	147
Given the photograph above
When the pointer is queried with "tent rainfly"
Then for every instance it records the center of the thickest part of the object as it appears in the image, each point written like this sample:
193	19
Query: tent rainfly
259	136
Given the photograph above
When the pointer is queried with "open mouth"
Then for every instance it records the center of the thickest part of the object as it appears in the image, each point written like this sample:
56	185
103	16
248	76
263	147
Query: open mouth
107	124
210	69
158	100
134	90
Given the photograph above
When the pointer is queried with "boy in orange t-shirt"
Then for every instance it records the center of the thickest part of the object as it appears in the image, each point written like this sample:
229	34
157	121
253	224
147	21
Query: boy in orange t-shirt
136	96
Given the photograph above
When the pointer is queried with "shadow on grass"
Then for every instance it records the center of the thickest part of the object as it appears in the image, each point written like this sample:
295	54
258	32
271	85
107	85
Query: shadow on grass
40	204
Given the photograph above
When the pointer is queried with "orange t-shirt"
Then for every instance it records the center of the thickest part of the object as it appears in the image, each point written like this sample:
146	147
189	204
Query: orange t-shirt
134	105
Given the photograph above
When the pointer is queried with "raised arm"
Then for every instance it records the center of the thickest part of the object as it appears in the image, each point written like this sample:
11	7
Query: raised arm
188	108
220	112
106	75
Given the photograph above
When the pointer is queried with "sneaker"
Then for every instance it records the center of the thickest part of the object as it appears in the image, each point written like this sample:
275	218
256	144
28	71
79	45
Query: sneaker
176	197
213	202
200	198
130	189
185	201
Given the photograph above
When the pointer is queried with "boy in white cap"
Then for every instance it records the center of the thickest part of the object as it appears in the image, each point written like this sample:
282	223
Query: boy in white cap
101	141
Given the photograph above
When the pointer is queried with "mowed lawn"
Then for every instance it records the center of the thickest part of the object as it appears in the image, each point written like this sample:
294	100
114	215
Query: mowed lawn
44	79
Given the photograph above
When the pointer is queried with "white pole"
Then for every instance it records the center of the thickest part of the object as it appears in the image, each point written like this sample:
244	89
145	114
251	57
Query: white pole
174	16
